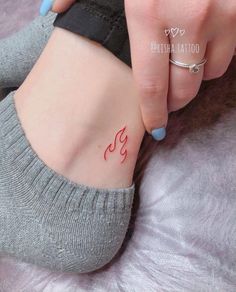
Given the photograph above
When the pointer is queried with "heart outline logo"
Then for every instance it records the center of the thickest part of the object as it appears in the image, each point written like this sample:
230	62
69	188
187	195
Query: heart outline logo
174	31
167	32
182	32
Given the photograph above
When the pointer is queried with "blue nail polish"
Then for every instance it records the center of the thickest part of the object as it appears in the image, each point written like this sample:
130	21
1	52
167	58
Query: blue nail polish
46	6
159	134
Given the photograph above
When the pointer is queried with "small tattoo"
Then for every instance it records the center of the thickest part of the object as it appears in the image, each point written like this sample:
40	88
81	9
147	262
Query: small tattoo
121	139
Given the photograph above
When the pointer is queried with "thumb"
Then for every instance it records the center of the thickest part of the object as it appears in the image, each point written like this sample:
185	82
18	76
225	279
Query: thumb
57	6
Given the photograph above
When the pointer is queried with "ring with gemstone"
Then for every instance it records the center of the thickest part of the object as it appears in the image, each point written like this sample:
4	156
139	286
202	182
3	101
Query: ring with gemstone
193	68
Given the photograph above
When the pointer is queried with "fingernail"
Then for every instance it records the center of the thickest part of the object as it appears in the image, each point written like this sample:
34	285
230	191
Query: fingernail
159	134
46	6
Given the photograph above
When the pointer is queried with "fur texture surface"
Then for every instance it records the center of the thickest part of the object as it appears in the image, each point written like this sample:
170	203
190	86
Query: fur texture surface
184	238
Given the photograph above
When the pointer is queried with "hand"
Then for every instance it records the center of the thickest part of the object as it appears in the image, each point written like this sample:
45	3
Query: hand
206	29
164	87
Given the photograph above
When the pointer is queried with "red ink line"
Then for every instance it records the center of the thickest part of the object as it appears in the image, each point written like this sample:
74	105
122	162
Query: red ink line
112	147
123	151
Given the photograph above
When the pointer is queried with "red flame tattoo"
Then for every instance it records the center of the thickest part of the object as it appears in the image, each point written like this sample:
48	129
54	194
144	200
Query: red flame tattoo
120	138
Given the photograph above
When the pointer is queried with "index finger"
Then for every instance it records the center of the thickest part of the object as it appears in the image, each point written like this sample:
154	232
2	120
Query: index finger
150	67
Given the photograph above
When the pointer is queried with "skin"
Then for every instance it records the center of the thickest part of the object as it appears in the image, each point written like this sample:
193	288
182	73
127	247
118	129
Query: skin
71	114
164	87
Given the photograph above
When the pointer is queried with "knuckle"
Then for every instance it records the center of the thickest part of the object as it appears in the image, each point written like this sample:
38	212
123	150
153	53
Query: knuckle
204	10
152	90
199	14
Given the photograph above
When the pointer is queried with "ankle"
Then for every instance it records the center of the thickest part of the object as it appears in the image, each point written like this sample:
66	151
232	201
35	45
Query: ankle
85	110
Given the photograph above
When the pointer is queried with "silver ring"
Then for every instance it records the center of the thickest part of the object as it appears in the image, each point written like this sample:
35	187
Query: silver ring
193	68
